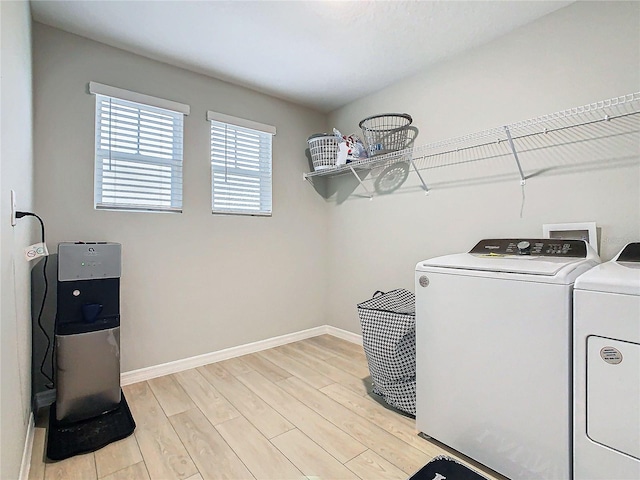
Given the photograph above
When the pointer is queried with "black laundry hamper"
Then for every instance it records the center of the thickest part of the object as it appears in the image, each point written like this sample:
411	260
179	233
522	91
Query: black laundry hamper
388	322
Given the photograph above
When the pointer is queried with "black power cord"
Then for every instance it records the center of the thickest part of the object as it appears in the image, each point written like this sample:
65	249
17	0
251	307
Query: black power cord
44	298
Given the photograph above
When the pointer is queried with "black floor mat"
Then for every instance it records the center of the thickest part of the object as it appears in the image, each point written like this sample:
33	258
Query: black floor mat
65	440
445	467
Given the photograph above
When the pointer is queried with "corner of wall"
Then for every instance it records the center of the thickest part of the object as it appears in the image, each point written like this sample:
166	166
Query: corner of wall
16	165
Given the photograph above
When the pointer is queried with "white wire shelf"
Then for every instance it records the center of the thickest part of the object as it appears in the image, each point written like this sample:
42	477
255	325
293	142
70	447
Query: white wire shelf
615	118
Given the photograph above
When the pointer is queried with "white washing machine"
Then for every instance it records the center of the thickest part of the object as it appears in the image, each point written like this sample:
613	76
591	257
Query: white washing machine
607	369
493	353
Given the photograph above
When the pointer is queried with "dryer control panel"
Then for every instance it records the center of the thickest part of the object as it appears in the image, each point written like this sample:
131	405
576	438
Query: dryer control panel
630	253
540	247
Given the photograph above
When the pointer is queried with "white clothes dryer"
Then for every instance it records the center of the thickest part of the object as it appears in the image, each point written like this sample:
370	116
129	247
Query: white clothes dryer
607	369
493	353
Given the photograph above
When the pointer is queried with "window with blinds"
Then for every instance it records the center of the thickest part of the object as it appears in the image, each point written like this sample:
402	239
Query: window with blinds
240	165
138	162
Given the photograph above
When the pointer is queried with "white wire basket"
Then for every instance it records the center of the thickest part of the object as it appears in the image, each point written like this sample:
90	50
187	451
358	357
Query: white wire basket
386	132
324	151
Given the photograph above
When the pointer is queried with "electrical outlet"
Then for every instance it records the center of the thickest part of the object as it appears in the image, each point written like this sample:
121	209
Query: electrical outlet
13	208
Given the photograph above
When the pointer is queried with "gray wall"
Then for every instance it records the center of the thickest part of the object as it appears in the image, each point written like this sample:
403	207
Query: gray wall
16	172
585	52
195	283
192	283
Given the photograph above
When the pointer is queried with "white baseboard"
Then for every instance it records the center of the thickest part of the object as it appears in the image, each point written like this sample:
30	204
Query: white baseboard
28	449
344	334
142	374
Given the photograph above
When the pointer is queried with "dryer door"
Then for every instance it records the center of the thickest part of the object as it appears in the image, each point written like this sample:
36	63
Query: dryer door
613	394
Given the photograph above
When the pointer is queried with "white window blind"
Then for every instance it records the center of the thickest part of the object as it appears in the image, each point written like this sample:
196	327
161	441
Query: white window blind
240	166
138	164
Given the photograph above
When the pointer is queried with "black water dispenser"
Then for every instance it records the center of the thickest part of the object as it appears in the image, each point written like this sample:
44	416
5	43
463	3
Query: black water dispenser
90	410
87	330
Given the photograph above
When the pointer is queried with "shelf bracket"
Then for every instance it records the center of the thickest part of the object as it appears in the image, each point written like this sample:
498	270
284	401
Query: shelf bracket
424	185
515	154
360	181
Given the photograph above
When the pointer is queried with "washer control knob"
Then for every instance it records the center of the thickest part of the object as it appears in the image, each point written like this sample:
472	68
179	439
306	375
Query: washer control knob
523	247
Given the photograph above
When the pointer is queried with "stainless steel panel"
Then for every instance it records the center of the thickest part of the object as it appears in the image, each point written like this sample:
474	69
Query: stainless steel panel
87	374
88	261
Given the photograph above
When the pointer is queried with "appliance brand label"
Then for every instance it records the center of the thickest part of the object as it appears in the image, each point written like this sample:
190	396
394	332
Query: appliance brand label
611	355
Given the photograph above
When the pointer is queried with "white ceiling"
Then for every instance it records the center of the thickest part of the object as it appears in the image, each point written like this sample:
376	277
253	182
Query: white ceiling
321	54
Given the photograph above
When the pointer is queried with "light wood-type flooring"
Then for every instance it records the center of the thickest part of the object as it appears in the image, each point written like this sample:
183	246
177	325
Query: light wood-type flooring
300	411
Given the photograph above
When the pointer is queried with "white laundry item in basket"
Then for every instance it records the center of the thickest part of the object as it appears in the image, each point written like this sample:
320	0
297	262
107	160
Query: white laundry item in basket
389	341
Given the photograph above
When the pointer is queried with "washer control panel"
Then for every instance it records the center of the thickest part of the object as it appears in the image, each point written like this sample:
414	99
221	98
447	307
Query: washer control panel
540	247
